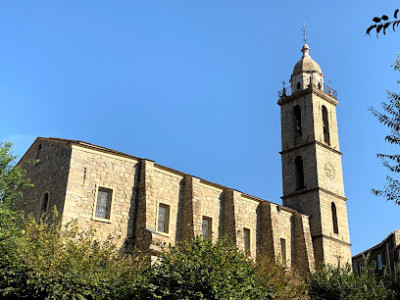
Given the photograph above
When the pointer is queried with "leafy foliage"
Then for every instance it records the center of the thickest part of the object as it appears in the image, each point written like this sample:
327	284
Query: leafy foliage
12	178
335	282
45	262
280	282
382	23
391	119
203	270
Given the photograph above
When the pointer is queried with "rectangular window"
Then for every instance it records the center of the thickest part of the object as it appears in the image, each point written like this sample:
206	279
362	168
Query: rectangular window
103	206
207	227
379	261
398	254
163	218
360	266
283	251
246	240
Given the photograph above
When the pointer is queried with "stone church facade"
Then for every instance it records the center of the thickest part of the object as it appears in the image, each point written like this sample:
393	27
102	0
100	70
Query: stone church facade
146	205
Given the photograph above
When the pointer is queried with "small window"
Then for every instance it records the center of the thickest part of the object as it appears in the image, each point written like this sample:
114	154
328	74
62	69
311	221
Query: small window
334	218
299	173
360	266
325	122
298	85
103	205
297	121
283	251
163	218
379	261
207	227
246	240
398	254
44	204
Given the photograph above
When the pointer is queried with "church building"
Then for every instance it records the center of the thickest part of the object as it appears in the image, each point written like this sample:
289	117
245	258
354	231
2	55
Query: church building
145	205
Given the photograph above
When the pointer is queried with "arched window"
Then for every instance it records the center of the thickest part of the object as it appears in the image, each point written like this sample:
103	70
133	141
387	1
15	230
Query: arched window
334	218
299	173
44	203
297	121
325	124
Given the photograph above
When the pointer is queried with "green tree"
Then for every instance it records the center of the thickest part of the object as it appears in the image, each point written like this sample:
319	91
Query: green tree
12	183
390	117
12	177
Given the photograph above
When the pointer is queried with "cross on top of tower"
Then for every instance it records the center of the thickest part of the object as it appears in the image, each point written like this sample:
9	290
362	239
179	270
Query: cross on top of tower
305	33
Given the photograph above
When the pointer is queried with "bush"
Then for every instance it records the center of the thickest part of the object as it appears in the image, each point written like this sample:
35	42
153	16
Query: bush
335	282
202	270
280	282
46	261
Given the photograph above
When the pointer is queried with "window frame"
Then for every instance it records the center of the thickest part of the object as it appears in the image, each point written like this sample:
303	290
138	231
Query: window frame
209	220
334	218
40	213
110	204
247	242
325	125
297	122
398	254
283	251
360	266
168	218
379	262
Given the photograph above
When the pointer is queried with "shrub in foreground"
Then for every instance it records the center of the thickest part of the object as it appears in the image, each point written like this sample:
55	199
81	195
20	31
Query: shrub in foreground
201	269
335	282
44	261
281	282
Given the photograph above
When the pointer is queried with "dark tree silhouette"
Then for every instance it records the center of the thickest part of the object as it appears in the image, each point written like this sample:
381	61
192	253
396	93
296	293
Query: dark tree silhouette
383	23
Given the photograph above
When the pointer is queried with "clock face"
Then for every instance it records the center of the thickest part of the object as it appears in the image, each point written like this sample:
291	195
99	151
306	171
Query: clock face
330	170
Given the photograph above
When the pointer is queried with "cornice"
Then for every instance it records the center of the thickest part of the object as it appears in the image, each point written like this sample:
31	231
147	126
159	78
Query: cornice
305	92
310	144
302	192
332	239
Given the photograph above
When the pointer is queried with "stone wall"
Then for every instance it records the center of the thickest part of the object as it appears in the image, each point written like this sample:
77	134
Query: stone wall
140	186
245	216
336	251
49	174
329	170
90	170
191	198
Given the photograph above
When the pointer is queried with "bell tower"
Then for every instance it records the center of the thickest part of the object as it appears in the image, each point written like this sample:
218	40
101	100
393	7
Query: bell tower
311	160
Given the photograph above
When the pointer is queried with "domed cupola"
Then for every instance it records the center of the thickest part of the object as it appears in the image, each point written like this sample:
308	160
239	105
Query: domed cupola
306	72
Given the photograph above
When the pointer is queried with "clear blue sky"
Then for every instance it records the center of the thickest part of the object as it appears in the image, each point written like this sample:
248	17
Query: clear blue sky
193	85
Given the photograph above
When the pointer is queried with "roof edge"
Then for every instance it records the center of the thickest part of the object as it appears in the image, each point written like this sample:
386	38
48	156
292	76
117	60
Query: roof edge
114	152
